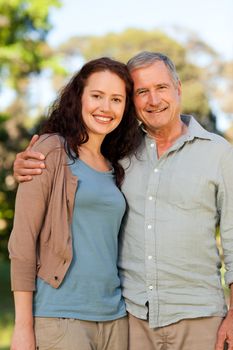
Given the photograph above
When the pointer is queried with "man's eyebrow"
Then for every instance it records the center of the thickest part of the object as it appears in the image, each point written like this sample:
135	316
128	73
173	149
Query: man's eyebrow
162	84
141	89
155	86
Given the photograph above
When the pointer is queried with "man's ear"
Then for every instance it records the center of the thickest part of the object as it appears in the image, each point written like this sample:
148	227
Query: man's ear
179	88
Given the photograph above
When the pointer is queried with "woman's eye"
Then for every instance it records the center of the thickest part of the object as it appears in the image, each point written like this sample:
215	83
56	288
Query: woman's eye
116	99
96	96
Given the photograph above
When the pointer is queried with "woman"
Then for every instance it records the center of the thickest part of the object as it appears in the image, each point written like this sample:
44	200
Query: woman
63	246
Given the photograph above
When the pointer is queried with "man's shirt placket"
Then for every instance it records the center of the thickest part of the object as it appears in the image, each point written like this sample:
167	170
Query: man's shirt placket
151	267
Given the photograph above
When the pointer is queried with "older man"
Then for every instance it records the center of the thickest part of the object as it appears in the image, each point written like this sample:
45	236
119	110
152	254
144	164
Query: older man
179	188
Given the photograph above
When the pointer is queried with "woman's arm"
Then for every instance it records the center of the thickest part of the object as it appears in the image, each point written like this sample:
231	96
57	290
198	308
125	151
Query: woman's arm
23	336
31	206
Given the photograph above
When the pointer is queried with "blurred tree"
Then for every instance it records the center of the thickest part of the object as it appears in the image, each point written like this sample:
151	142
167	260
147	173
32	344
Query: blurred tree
216	74
24	25
225	84
124	45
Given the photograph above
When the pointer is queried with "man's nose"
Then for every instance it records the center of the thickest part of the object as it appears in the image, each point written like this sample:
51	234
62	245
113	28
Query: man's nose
153	98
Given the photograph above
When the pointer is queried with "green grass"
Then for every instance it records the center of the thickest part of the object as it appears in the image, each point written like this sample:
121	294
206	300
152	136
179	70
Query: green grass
6	306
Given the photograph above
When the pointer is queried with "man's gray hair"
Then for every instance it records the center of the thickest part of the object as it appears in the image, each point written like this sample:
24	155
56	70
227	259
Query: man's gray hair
146	58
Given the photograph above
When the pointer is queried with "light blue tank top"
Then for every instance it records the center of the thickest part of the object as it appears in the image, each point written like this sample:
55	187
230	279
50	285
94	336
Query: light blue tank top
91	288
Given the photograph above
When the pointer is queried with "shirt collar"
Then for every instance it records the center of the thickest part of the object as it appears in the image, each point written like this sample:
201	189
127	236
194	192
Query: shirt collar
195	130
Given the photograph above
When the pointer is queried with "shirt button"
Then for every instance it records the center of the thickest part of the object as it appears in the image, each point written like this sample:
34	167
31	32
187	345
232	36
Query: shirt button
150	257
150	198
150	287
152	145
156	170
149	227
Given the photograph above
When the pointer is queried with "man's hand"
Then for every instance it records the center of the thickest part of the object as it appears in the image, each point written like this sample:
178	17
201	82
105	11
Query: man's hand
225	332
28	163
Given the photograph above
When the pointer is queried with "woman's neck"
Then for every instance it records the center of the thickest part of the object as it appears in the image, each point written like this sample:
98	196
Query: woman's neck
90	153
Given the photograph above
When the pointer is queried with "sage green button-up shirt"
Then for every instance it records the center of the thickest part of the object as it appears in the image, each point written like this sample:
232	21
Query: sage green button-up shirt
169	263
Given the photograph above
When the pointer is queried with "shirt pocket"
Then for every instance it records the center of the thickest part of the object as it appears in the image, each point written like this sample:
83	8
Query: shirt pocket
186	191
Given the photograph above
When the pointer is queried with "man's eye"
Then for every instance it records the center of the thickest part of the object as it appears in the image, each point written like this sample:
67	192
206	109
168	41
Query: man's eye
141	92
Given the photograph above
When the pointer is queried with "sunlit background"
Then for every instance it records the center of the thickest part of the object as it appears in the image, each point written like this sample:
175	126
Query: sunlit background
43	42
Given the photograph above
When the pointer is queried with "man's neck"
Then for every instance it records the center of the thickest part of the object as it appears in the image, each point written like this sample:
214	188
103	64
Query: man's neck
166	137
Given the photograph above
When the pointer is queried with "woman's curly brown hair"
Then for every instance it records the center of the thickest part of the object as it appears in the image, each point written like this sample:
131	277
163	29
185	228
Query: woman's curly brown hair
65	116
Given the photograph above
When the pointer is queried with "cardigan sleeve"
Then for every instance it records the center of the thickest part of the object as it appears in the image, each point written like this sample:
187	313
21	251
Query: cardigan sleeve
30	210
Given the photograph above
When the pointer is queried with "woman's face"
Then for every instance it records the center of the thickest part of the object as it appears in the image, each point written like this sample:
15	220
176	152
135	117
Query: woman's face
103	102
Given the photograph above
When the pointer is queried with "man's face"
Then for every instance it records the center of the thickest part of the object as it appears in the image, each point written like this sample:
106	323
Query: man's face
157	97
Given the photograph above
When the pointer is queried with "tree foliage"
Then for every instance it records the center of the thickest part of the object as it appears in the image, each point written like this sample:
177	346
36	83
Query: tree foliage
24	25
217	73
126	44
223	90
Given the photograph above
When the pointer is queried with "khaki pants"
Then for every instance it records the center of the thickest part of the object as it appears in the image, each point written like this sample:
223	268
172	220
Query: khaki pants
190	334
70	334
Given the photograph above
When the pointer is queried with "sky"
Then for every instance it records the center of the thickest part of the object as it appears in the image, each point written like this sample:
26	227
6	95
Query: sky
212	20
